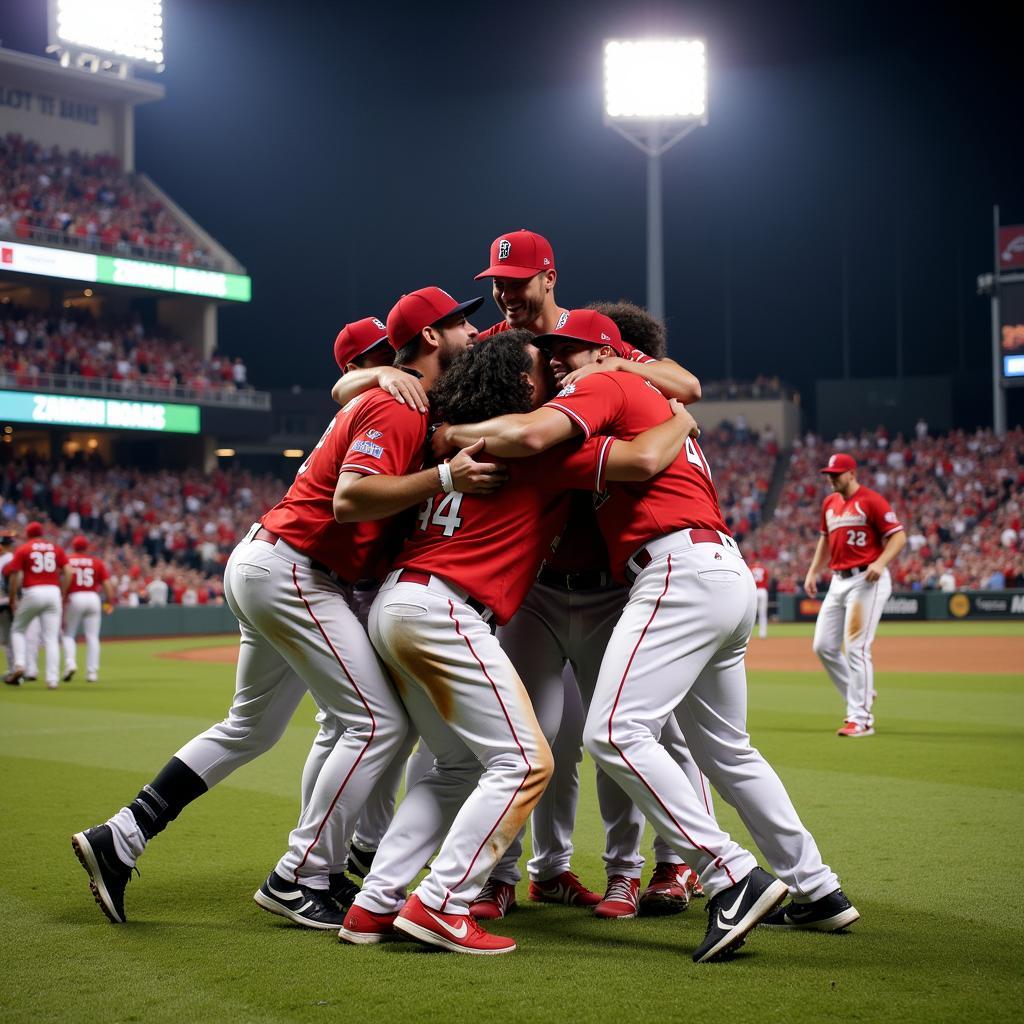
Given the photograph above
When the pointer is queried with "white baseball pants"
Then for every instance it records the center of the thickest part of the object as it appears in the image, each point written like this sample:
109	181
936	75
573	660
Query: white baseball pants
762	612
83	610
298	634
5	634
556	639
42	602
850	615
679	646
470	707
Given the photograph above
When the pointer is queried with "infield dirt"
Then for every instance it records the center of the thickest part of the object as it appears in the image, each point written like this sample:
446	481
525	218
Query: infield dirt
958	654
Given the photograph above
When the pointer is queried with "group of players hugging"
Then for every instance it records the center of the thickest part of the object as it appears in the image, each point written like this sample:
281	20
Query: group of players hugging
505	548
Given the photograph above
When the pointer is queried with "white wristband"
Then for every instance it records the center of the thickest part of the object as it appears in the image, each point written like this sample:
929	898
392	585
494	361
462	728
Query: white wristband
444	471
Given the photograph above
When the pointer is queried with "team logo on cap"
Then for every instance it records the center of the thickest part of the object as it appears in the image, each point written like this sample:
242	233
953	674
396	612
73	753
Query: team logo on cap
605	337
547	262
504	248
561	320
832	460
377	323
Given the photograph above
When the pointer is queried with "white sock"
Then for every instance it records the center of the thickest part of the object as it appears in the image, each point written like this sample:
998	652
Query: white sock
129	842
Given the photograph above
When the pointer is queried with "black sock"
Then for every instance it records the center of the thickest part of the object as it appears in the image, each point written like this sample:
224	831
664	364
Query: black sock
166	797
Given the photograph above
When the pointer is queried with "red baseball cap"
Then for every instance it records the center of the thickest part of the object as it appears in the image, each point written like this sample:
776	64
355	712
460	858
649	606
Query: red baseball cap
425	307
519	254
79	543
587	326
34	529
840	462
357	339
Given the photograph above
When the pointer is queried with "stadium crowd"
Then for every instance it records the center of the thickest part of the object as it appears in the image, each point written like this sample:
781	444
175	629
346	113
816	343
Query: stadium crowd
77	344
164	535
89	201
960	497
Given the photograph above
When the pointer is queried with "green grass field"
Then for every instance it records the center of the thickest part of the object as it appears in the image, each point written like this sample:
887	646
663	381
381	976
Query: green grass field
924	823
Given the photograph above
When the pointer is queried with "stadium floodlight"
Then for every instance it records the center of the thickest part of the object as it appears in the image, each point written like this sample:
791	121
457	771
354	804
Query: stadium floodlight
655	93
122	31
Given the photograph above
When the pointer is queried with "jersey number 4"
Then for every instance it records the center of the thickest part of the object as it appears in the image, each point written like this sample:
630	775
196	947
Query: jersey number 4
696	456
446	515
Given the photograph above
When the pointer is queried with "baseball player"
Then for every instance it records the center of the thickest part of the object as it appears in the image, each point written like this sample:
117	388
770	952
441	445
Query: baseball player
287	582
761	582
84	608
860	536
38	580
472	559
679	647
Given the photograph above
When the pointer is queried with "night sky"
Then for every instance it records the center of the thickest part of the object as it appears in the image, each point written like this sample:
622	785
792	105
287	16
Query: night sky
347	153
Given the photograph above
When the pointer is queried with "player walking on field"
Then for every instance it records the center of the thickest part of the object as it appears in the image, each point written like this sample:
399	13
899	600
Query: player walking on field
472	559
860	536
288	583
679	647
84	607
761	582
38	578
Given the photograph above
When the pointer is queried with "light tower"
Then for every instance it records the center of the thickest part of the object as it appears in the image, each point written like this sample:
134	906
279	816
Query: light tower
655	93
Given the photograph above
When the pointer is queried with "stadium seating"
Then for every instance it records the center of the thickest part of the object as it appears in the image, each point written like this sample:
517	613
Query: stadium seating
960	497
87	201
76	345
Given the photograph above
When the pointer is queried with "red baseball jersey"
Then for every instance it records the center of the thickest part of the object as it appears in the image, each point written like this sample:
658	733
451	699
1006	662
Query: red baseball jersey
624	405
373	434
492	545
857	528
629	352
41	562
760	574
87	573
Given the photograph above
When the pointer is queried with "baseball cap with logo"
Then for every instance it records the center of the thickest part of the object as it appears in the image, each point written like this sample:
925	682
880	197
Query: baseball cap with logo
426	307
587	326
357	339
34	529
79	543
519	254
840	462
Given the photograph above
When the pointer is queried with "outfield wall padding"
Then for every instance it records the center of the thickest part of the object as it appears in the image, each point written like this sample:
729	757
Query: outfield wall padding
928	605
169	620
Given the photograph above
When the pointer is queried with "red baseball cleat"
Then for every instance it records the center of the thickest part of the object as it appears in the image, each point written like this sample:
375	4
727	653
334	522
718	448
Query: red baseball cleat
669	890
363	927
855	730
458	933
621	898
566	889
494	900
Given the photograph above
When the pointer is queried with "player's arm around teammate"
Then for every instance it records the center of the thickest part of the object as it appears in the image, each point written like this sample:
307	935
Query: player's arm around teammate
468	559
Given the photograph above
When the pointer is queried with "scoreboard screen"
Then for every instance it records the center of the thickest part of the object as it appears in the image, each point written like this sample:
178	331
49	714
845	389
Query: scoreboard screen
1011	323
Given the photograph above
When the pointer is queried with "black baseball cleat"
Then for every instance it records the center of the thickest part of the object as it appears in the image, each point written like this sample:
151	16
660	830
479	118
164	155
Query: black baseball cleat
342	890
13	678
69	675
733	912
359	861
108	874
832	913
311	908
